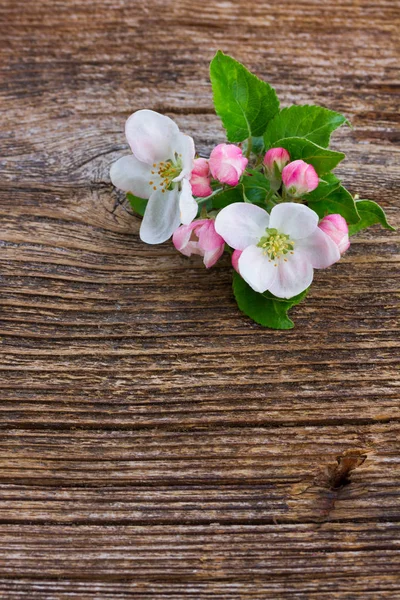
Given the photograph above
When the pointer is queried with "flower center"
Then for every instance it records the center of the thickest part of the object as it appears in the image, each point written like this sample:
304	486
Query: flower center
276	244
166	171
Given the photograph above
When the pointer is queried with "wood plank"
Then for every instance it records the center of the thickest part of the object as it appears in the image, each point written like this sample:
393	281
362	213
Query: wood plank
154	443
140	566
241	475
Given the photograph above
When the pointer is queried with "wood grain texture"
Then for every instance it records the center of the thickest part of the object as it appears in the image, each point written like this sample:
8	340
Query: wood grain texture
155	443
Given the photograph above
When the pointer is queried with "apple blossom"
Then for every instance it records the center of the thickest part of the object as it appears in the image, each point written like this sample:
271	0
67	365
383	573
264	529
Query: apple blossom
200	178
227	163
336	227
159	169
200	238
280	250
299	178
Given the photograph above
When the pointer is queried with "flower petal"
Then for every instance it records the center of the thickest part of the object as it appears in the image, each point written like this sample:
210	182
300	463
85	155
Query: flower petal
211	256
337	229
241	224
299	178
227	163
131	175
187	204
293	276
228	174
151	136
161	217
209	239
319	249
201	167
236	254
201	186
256	269
184	147
296	220
181	238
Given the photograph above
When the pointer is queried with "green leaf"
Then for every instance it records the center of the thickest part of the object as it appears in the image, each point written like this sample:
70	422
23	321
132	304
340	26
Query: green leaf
258	145
321	159
331	197
370	214
326	185
227	196
244	103
265	309
138	205
256	187
314	123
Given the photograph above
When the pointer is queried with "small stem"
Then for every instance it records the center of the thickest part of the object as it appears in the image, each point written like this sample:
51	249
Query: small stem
201	201
272	202
272	199
259	162
203	212
270	194
249	147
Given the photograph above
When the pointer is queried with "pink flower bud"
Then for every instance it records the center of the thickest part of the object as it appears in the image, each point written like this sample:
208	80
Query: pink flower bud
227	163
200	178
336	227
235	259
276	156
200	238
299	178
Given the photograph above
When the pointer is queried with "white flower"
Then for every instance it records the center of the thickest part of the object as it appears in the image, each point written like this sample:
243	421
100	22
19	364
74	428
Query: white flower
279	251
159	170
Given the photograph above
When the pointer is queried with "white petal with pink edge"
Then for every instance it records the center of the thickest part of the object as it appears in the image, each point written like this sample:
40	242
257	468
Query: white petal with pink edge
211	256
181	239
241	224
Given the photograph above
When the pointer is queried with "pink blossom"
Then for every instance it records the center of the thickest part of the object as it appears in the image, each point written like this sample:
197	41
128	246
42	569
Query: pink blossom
235	259
336	227
227	163
200	179
276	156
299	178
200	238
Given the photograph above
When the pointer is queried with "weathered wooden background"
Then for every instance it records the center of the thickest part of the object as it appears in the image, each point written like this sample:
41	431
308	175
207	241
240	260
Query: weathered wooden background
154	442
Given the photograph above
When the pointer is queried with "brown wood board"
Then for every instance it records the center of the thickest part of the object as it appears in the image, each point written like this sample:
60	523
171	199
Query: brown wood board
154	442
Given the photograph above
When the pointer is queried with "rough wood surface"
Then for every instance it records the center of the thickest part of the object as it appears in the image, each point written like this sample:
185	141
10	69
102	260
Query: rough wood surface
154	443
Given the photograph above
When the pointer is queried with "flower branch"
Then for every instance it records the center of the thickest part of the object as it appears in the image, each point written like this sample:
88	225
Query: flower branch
277	209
